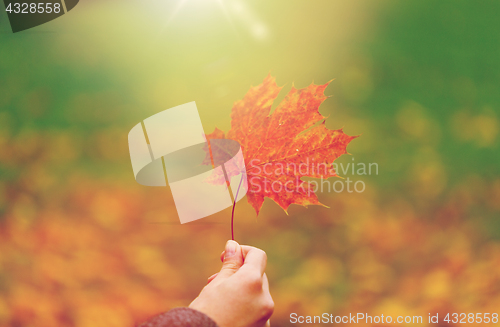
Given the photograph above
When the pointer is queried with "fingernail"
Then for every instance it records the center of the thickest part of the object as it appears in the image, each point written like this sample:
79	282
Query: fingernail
230	249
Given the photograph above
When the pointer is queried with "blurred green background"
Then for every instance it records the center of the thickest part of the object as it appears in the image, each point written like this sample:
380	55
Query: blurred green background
82	244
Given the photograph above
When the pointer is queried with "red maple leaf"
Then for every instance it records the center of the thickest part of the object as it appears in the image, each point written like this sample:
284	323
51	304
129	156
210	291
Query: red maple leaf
281	148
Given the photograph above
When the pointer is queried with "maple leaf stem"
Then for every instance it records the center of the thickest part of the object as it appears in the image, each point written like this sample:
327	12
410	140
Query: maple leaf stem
234	205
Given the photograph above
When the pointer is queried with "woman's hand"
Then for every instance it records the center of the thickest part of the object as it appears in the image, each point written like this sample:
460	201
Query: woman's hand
238	295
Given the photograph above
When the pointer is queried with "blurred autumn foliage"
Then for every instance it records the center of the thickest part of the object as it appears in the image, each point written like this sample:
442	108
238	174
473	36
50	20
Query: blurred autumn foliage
98	252
83	245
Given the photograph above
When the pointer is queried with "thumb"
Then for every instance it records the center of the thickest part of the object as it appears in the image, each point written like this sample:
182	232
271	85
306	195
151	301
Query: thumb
233	260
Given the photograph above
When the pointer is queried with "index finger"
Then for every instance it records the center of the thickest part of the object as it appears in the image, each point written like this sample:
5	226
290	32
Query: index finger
244	250
258	258
254	258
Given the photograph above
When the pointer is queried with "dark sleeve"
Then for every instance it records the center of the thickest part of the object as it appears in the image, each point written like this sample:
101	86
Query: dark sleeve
180	317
